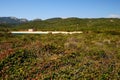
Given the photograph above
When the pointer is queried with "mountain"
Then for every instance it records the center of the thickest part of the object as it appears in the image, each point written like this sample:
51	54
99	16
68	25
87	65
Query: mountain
62	24
12	20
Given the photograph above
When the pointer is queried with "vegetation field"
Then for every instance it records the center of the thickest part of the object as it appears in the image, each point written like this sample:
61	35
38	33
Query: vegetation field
93	55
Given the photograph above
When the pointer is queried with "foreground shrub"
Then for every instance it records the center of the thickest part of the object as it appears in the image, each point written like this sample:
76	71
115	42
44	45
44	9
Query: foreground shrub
17	65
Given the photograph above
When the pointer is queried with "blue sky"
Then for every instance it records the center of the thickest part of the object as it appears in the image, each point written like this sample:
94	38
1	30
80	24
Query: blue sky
45	9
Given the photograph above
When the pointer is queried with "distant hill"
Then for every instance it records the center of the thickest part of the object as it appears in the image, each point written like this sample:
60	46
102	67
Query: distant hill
62	24
72	24
12	20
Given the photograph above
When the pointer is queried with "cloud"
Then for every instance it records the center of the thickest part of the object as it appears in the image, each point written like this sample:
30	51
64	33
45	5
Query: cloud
114	16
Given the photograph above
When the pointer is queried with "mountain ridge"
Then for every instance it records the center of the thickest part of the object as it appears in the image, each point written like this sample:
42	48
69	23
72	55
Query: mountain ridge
12	20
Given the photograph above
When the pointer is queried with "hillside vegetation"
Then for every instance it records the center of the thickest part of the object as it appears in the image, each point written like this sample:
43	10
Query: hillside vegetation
72	24
93	55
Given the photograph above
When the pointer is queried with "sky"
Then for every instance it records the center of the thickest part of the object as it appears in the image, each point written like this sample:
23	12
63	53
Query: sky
44	9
